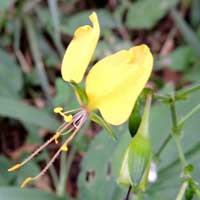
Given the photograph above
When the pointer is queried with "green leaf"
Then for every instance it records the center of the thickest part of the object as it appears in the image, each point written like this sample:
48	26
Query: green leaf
146	13
25	113
188	34
180	58
62	93
10	75
192	74
5	177
100	168
96	118
8	193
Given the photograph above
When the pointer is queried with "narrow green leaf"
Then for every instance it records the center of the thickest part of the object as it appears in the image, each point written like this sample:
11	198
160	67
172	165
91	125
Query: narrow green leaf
194	13
53	7
35	50
25	113
188	34
96	118
10	75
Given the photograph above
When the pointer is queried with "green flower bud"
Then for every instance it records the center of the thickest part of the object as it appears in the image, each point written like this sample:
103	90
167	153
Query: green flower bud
137	158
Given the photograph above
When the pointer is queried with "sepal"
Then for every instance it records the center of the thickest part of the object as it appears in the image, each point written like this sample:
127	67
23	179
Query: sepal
100	121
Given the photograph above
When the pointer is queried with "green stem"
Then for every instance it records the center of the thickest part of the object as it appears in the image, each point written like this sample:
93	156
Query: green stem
176	132
174	117
52	170
186	91
180	151
64	171
179	95
182	191
190	114
37	58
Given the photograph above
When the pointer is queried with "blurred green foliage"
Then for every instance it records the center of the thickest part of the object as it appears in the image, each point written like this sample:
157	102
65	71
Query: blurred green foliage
33	37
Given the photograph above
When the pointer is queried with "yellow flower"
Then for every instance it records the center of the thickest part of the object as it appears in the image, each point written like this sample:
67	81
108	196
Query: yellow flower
112	85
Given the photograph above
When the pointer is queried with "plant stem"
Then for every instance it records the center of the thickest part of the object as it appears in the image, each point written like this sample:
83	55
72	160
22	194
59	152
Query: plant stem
64	171
186	91
176	132
128	193
52	170
182	191
180	151
190	114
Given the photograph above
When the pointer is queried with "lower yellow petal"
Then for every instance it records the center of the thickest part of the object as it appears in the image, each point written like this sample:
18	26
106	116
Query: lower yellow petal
80	51
114	83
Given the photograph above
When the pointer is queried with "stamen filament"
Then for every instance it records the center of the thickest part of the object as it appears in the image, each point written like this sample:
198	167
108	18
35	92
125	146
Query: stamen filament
62	148
67	132
71	111
17	166
76	123
56	155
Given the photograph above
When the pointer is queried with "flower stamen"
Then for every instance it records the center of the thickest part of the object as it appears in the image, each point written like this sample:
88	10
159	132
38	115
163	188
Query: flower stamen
74	126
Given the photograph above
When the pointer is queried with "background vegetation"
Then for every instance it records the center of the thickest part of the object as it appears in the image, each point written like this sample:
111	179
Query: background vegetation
33	38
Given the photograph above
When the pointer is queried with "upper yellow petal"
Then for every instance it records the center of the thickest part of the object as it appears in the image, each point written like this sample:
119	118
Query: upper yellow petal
80	51
114	83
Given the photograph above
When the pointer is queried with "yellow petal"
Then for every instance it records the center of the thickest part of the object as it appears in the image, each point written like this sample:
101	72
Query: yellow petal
80	51
114	83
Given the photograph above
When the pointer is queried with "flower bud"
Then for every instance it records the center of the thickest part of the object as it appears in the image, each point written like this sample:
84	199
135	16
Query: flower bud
137	158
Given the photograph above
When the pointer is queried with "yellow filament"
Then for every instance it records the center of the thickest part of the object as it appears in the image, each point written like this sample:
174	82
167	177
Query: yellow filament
26	181
15	167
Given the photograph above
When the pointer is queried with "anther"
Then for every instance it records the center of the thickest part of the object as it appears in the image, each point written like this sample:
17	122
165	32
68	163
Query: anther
64	148
15	167
26	181
58	109
68	118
